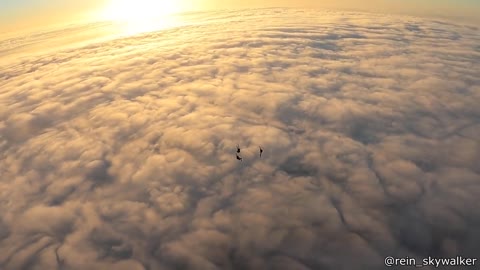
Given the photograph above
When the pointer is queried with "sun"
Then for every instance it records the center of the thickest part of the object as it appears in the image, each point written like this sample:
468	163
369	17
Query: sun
140	15
137	10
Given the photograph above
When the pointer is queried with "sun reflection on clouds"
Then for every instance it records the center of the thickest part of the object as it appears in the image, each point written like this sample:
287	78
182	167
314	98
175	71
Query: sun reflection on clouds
129	28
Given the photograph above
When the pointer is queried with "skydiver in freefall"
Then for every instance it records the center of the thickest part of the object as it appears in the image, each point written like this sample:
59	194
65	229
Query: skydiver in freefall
239	157
238	148
261	151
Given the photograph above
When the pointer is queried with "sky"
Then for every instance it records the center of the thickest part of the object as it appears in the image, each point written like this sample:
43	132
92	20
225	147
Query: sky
120	154
24	15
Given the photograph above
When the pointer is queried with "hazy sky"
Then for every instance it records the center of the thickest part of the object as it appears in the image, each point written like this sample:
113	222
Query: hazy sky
18	15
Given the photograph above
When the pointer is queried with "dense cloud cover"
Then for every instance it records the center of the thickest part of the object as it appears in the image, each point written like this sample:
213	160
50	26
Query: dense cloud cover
121	154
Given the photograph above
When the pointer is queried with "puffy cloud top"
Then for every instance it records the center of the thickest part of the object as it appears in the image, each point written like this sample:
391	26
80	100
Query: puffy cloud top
121	154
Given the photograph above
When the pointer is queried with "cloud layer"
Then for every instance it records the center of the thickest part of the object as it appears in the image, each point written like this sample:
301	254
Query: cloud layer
121	154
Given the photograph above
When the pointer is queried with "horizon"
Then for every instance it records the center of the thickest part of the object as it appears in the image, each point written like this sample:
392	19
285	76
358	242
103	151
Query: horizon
29	16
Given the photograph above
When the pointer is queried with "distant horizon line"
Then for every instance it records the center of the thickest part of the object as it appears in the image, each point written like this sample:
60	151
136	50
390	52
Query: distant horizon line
11	32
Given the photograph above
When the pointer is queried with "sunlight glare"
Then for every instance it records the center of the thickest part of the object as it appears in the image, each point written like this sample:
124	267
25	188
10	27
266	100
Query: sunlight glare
141	15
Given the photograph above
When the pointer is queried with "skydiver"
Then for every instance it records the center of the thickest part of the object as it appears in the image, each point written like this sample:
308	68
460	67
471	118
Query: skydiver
238	148
239	157
261	151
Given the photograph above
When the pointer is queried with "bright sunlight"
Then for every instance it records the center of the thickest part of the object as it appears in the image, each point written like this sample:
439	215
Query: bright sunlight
137	10
141	15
